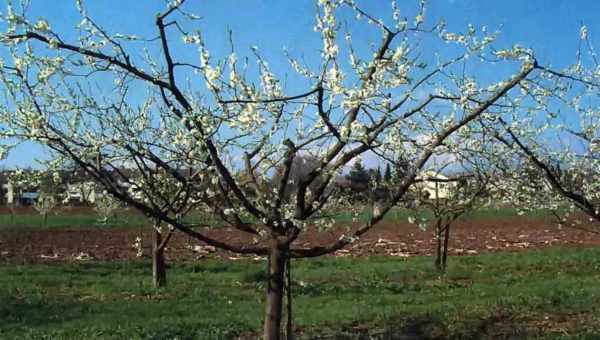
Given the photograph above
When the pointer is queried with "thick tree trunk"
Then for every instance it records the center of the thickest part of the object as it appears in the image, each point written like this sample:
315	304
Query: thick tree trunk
445	254
275	289
159	270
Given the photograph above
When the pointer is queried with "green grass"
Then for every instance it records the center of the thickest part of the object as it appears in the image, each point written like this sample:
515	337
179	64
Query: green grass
132	219
486	296
59	220
63	221
506	212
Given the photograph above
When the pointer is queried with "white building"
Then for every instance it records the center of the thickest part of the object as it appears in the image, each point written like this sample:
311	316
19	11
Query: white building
435	185
16	196
9	191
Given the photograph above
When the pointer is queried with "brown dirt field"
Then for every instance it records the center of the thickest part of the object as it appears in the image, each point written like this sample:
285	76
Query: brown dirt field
469	237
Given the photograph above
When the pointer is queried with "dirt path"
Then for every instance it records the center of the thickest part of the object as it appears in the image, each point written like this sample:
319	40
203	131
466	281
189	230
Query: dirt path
468	237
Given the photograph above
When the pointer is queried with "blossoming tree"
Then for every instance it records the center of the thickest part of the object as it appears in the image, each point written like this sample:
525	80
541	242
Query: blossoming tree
103	99
106	207
549	144
462	193
560	176
46	183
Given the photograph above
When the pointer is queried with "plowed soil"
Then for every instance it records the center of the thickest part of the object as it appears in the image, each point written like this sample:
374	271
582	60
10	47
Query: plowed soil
468	237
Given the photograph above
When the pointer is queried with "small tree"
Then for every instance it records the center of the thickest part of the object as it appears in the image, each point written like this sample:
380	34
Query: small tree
106	207
461	194
44	204
45	182
175	202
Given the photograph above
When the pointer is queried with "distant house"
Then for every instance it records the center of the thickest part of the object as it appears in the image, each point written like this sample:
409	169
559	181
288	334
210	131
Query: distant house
18	196
8	193
74	188
28	197
435	185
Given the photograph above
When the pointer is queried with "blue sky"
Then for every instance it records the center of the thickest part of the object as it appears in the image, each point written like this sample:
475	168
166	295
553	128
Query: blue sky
550	27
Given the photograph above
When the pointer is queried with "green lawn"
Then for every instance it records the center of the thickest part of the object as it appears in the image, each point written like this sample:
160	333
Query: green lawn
552	293
132	219
61	220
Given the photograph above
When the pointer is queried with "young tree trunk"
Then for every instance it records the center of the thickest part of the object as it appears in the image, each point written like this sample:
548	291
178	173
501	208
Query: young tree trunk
45	219
159	270
438	253
445	254
289	326
275	288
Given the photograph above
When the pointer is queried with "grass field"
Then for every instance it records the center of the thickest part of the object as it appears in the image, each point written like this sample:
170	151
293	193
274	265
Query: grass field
131	219
64	219
552	294
58	221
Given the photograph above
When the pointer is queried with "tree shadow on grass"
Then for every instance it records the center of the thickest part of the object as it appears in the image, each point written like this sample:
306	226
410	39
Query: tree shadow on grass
17	313
42	319
431	327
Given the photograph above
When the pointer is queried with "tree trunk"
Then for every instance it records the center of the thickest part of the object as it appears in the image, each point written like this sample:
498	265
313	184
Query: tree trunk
275	288
438	253
446	238
45	219
289	326
159	270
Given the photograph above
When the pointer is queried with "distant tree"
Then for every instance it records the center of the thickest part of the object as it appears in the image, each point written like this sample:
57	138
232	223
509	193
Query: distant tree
46	183
401	169
376	176
44	204
358	176
387	175
106	207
